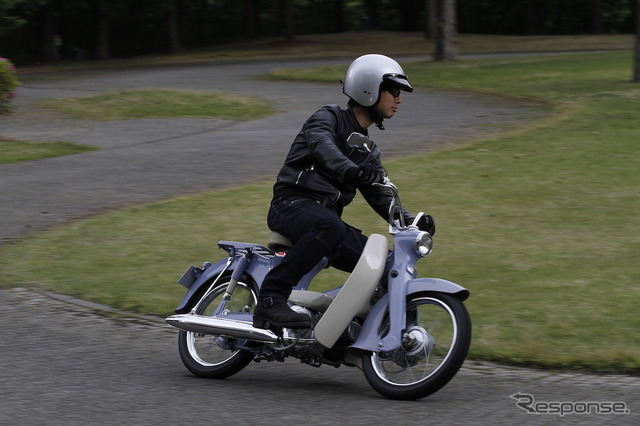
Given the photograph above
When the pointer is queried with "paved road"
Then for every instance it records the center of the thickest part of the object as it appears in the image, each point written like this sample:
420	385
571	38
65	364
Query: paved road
64	361
147	160
69	363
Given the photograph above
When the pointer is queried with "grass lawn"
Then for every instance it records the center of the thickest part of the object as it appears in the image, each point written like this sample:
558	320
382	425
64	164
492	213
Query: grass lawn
129	105
151	103
540	223
13	151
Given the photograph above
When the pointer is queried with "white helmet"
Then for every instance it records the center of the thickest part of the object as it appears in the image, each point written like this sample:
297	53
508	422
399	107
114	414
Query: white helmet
366	74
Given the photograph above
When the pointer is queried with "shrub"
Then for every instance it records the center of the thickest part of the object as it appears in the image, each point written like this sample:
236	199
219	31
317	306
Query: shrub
8	82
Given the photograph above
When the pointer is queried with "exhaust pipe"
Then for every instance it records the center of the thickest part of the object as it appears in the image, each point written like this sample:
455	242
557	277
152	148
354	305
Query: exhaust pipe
232	328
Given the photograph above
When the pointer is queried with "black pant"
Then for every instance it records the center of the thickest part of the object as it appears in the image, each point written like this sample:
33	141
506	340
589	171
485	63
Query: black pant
316	232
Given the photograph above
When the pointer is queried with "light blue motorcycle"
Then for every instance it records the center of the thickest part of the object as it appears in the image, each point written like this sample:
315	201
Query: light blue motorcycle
409	335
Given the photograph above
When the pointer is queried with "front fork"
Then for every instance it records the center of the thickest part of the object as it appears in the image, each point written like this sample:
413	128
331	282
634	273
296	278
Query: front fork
397	310
392	305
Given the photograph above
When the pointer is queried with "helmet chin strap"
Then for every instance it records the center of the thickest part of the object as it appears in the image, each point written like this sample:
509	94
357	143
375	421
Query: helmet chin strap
375	117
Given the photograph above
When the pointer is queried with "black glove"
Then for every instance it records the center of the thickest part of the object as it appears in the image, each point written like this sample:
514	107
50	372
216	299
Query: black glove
364	175
427	224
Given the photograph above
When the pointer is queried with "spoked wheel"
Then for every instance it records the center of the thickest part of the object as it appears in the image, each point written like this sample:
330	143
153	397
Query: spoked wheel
434	346
211	356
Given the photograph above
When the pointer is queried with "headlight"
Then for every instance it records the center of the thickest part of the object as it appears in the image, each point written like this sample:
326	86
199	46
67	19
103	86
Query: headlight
424	243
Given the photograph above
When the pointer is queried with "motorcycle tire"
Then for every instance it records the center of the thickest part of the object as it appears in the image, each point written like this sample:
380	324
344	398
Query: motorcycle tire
211	356
435	345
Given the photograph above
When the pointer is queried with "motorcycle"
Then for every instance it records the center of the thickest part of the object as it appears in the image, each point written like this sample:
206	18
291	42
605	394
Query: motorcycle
408	335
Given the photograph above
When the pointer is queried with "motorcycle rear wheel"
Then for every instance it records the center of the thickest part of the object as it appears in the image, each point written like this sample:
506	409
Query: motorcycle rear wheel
441	330
206	355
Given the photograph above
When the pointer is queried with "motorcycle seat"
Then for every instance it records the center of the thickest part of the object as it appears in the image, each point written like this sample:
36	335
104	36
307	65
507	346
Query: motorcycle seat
278	242
311	299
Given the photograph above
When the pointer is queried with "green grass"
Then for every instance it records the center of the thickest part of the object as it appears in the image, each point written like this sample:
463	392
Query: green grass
150	103
130	105
13	151
540	223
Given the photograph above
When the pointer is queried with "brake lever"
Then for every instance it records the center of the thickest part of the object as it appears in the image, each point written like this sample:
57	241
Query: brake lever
417	219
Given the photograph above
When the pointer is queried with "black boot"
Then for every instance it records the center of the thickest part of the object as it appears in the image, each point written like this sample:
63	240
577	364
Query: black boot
276	312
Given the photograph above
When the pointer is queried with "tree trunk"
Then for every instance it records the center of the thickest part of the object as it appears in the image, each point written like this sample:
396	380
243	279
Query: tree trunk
431	24
636	73
596	17
174	33
338	17
371	19
532	17
288	20
251	13
102	51
446	33
52	42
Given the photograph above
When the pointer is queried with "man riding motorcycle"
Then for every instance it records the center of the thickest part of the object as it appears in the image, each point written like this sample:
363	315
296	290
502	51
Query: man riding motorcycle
319	178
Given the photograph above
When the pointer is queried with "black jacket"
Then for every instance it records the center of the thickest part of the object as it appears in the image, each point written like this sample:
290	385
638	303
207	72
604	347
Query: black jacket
319	159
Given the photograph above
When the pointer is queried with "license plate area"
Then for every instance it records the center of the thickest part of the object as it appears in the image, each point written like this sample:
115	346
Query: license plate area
190	276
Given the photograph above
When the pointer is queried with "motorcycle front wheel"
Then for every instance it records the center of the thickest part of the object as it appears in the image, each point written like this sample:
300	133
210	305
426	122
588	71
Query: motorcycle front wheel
434	346
212	356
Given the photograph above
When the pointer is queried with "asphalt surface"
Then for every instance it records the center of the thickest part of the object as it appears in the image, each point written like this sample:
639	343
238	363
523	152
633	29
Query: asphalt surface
152	159
66	361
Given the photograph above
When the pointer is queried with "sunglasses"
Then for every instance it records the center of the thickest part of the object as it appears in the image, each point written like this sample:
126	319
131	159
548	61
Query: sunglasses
395	92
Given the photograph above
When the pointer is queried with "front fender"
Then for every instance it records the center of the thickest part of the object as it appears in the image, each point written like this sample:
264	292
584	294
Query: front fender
370	340
439	285
204	277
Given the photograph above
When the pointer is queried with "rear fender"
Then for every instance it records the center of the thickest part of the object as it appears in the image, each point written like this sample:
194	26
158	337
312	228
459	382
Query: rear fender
202	277
256	268
369	340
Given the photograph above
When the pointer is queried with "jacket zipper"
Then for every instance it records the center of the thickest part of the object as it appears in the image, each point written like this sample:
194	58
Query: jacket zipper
305	170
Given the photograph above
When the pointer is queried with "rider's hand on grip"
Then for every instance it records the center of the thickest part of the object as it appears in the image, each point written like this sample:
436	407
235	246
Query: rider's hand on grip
365	175
427	224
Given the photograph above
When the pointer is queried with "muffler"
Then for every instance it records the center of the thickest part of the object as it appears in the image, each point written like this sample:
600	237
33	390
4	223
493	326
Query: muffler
233	328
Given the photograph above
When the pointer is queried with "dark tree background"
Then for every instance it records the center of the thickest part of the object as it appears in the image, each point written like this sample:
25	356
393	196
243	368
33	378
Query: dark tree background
48	30
636	65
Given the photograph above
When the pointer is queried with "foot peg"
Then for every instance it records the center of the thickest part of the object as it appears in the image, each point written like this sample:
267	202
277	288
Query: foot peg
272	312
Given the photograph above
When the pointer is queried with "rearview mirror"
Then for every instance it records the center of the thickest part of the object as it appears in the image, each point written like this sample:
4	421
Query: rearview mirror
359	140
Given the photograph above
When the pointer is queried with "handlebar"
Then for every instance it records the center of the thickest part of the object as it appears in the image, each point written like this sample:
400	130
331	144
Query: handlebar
395	218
